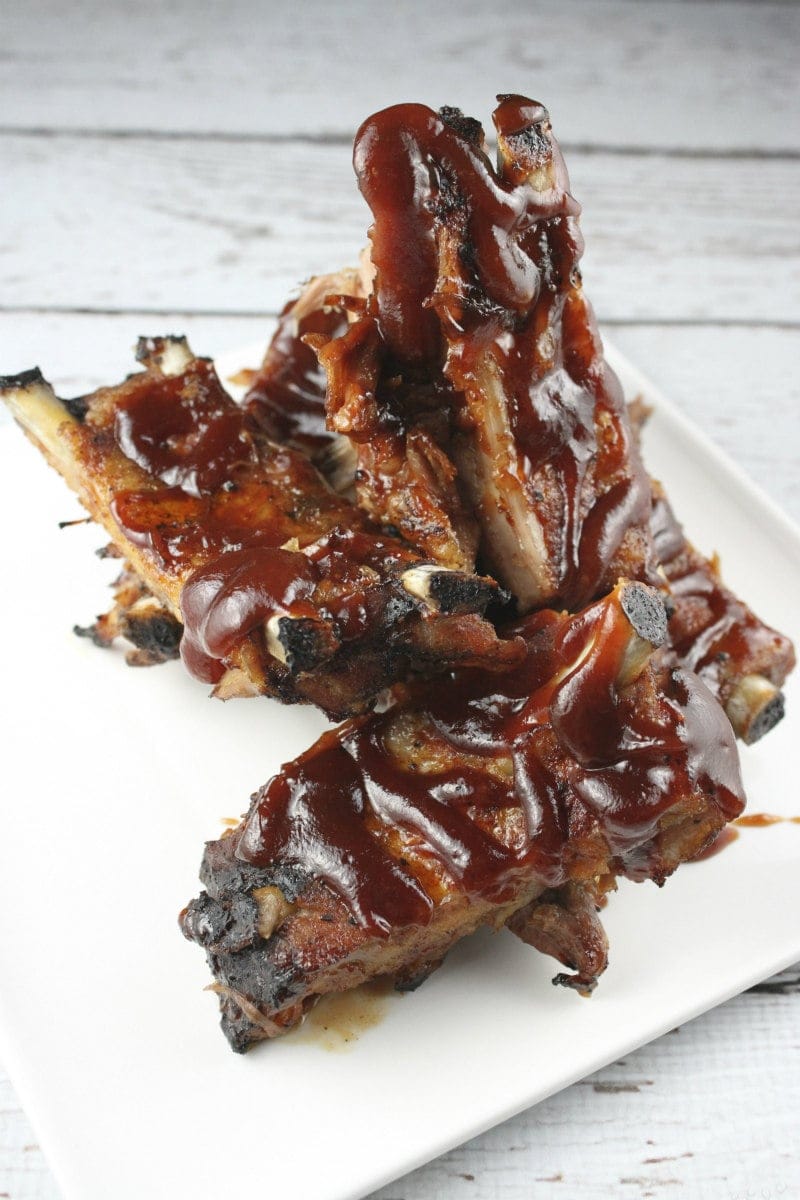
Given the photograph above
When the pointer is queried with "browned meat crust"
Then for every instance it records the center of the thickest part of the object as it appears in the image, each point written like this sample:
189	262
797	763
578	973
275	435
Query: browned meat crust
514	798
398	422
283	587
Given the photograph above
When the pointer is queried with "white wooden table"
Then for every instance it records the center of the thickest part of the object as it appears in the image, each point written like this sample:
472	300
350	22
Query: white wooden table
182	167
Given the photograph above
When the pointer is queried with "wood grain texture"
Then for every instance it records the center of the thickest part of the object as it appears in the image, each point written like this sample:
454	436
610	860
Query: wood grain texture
203	225
624	73
678	1117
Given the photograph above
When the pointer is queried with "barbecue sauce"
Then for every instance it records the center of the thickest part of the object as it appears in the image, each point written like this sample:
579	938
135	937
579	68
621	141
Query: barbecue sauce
184	430
712	631
763	820
729	834
477	277
582	752
227	513
287	396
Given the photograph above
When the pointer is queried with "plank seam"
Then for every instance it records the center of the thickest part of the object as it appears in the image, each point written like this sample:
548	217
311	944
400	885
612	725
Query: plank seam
741	154
250	313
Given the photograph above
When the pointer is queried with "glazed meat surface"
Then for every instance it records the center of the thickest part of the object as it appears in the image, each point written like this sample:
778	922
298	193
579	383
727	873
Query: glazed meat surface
286	396
479	352
283	587
513	798
712	632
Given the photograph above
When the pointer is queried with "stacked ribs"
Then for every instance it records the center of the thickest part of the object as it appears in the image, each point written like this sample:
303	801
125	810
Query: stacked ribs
430	516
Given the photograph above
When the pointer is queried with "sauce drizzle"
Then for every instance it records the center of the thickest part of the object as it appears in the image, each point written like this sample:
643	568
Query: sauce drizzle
525	764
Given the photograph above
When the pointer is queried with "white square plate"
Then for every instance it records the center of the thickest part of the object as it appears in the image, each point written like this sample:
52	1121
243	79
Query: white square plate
113	779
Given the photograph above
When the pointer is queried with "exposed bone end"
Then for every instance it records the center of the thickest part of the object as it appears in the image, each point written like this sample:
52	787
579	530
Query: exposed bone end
301	643
273	909
25	379
43	416
528	153
236	684
754	707
647	613
167	355
524	142
447	591
349	281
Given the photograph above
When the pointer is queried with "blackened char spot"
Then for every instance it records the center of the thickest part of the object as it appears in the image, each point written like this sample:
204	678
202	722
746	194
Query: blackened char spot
224	926
77	407
460	593
159	635
398	607
304	643
23	380
238	1029
253	973
466	127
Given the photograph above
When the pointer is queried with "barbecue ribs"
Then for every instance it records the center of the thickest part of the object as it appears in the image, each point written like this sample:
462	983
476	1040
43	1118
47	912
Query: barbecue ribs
484	799
475	384
283	587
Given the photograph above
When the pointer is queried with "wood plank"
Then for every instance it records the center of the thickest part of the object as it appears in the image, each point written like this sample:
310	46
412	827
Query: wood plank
710	1109
79	353
621	73
198	225
739	384
712	1106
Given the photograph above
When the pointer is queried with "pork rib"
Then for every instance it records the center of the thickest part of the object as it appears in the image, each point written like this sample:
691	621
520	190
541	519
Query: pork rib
478	339
283	587
508	799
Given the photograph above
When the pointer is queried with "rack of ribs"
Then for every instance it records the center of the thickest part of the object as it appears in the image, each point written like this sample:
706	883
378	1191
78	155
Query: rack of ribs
477	339
711	630
282	587
508	799
442	411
